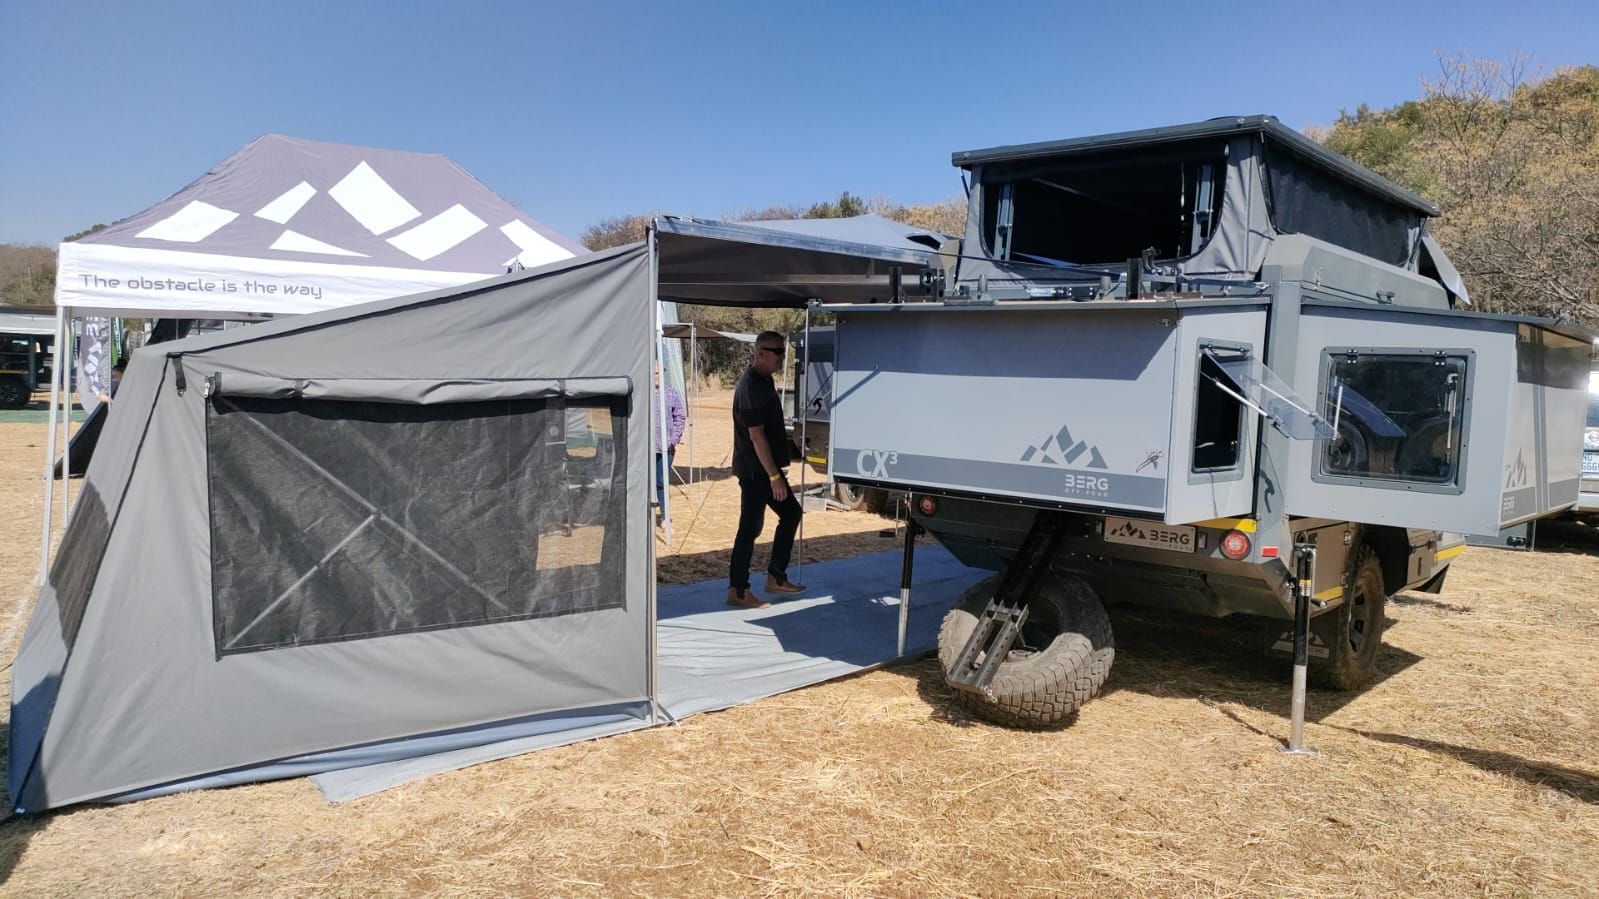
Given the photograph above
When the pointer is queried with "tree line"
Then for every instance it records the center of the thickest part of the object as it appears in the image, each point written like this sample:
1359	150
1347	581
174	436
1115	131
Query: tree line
1513	162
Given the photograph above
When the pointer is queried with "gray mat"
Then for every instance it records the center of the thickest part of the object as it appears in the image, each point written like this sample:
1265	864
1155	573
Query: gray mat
713	657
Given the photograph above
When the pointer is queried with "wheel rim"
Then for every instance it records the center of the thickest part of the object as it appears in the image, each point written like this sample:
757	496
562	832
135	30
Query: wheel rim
849	494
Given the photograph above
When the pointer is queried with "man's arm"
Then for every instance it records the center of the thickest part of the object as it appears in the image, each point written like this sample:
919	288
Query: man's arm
764	453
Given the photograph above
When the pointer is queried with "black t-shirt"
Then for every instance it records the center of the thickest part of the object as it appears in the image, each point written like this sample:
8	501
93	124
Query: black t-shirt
756	405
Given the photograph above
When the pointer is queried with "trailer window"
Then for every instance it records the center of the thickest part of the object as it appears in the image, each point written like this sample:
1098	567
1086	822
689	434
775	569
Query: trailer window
1396	416
1218	420
1107	207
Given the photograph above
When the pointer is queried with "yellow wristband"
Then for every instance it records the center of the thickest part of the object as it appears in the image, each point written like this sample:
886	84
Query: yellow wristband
774	478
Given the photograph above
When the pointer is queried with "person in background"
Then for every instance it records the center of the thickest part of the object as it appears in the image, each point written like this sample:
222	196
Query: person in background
116	380
669	436
760	450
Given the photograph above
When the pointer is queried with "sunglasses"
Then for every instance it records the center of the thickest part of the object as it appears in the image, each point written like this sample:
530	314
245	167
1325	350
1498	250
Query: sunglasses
775	352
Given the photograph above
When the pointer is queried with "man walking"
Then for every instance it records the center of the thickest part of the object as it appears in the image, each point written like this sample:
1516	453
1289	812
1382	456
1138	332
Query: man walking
760	450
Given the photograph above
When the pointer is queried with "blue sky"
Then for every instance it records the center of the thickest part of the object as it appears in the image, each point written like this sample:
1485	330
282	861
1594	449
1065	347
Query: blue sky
578	112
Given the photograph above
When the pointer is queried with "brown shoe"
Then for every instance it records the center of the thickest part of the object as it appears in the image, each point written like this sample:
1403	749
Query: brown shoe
746	599
775	584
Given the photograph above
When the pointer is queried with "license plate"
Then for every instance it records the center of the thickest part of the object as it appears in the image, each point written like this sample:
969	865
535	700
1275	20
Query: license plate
1590	463
1133	532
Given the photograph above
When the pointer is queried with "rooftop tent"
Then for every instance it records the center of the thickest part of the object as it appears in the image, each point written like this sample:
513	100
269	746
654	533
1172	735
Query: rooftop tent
1208	198
299	550
290	226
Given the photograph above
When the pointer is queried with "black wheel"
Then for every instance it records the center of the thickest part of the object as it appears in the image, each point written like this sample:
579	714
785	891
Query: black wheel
856	498
14	393
1060	662
1352	632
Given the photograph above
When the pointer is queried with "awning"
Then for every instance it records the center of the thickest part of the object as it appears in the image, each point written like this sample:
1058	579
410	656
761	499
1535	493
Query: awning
761	265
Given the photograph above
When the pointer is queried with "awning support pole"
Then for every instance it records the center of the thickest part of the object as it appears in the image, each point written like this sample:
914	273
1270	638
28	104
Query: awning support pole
66	425
907	563
799	410
652	674
693	390
50	451
1304	586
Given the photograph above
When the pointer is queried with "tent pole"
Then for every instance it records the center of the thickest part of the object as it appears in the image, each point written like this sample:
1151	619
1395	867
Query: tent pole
693	390
652	675
801	411
50	453
67	386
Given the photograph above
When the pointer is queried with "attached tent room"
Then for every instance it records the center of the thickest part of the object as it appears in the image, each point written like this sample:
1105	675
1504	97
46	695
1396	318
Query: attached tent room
298	551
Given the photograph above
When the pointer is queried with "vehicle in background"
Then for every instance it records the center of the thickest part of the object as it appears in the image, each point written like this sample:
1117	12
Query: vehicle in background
24	367
1588	499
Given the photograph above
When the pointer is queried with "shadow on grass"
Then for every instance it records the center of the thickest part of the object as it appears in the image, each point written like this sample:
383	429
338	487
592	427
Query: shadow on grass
1220	660
1578	784
15	832
1556	535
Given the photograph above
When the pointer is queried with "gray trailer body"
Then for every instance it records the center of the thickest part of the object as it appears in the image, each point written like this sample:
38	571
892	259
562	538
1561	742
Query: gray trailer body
1356	404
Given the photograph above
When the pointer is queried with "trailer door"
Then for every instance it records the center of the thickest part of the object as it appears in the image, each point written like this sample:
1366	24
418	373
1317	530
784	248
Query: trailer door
1437	420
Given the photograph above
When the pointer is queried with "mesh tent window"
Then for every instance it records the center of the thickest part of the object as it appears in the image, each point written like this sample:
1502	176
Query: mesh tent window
338	520
1305	199
1107	207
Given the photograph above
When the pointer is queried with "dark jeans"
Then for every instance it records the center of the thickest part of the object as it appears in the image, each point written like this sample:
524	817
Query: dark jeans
754	497
662	473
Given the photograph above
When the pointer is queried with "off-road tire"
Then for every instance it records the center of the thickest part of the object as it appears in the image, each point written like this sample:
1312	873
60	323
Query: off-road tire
14	393
858	498
1352	632
1037	689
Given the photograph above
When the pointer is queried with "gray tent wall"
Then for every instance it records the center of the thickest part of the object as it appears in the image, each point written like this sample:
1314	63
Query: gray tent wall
121	684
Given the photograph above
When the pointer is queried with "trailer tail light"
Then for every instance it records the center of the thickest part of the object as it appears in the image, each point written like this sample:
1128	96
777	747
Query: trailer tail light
1268	552
1235	545
927	505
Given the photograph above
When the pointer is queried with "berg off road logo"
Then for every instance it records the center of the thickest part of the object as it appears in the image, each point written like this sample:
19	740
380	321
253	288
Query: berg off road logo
1087	485
1516	474
1128	529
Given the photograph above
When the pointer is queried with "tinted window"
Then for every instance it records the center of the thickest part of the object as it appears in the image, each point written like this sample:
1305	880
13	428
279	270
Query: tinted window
337	520
1218	421
1396	417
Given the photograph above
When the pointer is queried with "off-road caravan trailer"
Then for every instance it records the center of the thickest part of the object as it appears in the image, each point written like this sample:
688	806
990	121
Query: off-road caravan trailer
1213	368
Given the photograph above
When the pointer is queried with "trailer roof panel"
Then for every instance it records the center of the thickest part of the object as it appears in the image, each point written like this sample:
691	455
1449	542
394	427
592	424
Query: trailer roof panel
1267	126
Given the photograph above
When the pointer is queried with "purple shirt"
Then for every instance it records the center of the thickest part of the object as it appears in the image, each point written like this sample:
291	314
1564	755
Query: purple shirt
676	416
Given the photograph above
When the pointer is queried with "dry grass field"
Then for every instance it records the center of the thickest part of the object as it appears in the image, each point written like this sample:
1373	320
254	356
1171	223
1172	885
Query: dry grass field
1470	769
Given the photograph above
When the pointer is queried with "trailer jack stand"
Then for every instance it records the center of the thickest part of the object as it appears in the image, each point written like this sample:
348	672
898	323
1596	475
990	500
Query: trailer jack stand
1000	623
1304	587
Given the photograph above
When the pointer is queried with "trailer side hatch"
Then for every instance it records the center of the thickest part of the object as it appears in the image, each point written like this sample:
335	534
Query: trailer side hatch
1438	420
1251	383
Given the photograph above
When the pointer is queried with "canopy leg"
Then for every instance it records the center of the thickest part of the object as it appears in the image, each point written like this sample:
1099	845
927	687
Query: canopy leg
50	451
907	563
